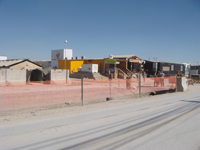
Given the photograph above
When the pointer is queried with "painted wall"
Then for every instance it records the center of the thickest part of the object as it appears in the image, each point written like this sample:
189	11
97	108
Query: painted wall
61	64
75	65
71	65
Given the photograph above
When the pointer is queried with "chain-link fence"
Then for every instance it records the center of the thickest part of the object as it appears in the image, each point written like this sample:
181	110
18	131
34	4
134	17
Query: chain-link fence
15	95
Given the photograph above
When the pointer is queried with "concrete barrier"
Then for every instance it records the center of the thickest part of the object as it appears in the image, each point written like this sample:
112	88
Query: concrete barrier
181	84
59	74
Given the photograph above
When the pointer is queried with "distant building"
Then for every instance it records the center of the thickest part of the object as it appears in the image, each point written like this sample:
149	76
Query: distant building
194	69
44	63
3	57
19	64
170	69
60	54
33	71
195	66
126	63
187	69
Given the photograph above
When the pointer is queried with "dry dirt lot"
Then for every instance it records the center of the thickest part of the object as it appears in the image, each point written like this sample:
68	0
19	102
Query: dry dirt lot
37	94
39	113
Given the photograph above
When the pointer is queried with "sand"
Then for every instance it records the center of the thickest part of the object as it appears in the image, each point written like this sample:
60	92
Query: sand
13	117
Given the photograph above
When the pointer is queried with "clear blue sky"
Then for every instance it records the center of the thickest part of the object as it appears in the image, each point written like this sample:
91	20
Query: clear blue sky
166	29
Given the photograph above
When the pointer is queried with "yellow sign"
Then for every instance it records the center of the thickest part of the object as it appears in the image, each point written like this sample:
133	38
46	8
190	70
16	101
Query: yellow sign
134	60
165	68
110	61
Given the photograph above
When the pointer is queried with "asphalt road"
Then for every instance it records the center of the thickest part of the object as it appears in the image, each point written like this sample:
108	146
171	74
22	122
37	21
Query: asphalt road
167	123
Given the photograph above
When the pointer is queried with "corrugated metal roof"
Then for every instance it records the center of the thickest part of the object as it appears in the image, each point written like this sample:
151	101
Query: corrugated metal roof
11	62
153	60
8	63
195	64
164	62
124	56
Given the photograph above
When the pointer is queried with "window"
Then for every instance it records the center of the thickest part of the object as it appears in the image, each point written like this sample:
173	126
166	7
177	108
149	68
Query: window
181	69
172	67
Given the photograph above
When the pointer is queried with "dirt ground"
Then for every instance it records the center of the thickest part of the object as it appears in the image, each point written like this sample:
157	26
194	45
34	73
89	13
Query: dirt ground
13	117
38	94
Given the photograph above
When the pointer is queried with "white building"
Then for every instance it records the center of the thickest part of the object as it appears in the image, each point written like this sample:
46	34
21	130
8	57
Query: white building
60	54
3	57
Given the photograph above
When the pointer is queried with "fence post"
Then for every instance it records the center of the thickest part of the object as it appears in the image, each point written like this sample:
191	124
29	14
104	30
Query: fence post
110	87
140	85
82	89
110	81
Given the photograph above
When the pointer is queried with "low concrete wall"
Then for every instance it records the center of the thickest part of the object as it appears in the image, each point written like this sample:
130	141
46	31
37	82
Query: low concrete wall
59	74
12	75
181	84
2	75
18	75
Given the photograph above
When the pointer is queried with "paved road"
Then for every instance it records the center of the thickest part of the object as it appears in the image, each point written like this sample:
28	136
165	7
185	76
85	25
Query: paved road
167	124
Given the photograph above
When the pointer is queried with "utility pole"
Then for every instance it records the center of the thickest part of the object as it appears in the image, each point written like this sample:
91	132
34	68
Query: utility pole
65	53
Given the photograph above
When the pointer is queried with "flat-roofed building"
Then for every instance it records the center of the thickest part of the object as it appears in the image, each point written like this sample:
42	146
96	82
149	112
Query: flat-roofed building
3	58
